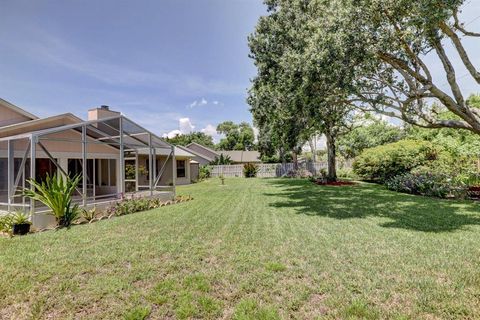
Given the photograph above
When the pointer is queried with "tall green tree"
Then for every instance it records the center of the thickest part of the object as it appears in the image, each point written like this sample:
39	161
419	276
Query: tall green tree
237	136
299	90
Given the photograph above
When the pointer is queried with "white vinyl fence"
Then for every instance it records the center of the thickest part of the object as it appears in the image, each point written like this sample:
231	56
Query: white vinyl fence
267	170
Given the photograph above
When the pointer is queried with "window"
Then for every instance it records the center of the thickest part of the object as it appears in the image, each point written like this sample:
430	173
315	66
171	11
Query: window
180	168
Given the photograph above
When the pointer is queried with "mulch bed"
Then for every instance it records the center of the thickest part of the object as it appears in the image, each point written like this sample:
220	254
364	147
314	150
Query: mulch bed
474	193
336	183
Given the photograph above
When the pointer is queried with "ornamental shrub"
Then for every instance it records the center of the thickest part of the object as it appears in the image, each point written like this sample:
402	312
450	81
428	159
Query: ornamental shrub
387	161
250	170
205	173
426	184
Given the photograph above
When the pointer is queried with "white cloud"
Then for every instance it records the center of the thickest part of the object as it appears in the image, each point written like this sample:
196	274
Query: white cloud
198	103
172	134
216	102
193	104
185	125
209	130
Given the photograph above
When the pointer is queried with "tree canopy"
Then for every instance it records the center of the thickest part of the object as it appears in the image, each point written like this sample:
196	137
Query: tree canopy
393	78
186	139
237	136
368	134
299	91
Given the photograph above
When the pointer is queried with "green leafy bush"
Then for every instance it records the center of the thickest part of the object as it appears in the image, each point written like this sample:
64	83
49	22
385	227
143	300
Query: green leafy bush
368	135
89	214
20	217
56	193
6	223
346	173
250	170
205	172
133	205
130	170
9	220
385	162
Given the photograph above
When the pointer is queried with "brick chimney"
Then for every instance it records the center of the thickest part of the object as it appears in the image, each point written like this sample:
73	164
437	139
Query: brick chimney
101	113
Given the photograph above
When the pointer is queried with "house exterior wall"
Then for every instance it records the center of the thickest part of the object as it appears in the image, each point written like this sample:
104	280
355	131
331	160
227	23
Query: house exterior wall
75	147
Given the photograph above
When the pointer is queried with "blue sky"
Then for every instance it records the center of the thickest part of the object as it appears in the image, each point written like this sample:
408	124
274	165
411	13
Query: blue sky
156	61
167	64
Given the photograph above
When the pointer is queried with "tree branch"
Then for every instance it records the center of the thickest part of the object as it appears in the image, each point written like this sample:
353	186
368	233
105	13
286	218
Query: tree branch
460	26
450	72
461	51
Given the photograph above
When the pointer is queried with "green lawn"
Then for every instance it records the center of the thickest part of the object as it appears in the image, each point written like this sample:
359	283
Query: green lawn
255	249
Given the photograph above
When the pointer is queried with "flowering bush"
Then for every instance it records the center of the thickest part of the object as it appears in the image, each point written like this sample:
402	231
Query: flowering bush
426	184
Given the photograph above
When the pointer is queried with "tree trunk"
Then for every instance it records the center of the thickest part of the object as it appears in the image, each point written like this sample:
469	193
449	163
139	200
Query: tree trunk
332	163
312	142
282	156
295	160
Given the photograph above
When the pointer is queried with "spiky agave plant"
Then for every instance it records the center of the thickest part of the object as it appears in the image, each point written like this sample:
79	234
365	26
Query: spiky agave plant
56	192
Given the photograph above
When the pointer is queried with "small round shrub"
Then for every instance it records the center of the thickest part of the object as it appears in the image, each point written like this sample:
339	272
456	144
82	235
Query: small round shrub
250	170
205	172
385	162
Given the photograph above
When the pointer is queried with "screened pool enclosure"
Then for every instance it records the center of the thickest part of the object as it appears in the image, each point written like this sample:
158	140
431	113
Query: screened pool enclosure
105	152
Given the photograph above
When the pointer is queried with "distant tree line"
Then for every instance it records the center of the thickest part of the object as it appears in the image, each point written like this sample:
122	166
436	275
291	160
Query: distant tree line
235	137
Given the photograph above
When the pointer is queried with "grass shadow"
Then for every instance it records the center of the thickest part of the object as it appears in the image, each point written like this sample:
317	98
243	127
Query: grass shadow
369	200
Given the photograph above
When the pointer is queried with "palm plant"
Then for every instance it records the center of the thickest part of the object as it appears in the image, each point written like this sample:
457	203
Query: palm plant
222	160
56	193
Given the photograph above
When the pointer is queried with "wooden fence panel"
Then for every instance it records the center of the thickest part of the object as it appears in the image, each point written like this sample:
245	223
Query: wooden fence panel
267	170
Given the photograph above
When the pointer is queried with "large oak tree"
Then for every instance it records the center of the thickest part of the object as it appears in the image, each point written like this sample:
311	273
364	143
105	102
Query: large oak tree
393	76
299	91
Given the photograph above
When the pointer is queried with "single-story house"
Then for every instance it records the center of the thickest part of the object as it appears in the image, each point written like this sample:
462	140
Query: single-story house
114	155
204	155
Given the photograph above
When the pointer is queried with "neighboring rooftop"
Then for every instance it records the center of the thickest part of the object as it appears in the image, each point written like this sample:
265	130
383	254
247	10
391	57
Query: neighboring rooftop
196	153
242	156
19	110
